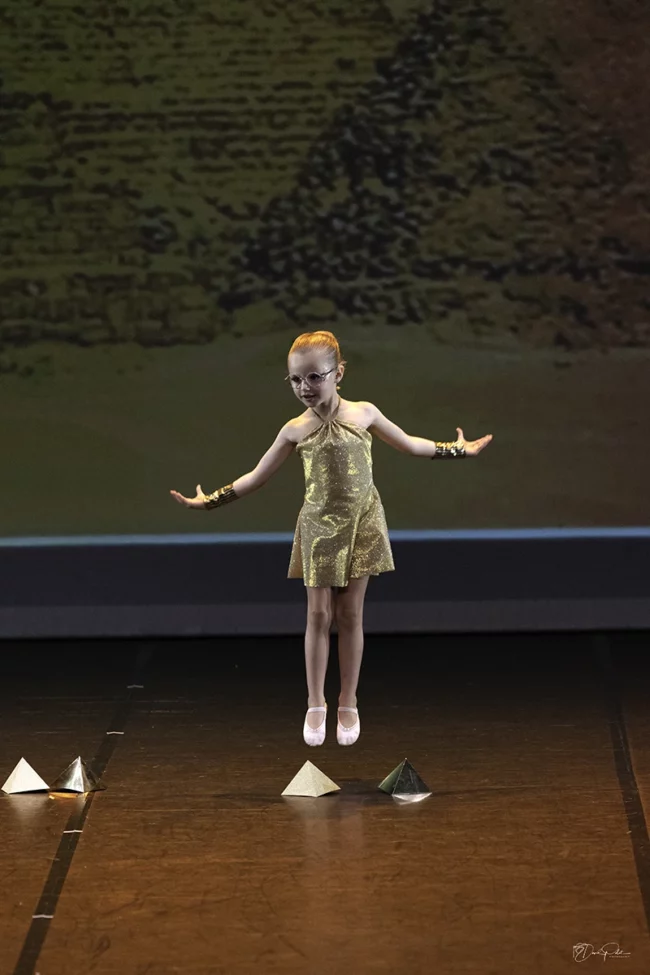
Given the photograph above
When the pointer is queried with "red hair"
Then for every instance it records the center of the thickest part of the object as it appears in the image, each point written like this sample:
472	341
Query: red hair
318	342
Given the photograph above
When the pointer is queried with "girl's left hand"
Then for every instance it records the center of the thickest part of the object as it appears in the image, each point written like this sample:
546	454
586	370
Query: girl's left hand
472	447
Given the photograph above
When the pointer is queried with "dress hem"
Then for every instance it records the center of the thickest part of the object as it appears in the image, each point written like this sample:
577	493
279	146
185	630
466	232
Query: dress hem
341	585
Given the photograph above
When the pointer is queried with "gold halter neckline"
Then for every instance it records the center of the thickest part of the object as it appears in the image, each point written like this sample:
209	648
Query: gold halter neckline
333	414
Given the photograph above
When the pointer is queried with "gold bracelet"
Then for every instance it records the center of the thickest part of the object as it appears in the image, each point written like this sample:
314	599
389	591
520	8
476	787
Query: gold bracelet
221	496
449	451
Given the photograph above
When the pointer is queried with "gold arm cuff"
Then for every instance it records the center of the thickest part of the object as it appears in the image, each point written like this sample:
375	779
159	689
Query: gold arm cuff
450	450
222	495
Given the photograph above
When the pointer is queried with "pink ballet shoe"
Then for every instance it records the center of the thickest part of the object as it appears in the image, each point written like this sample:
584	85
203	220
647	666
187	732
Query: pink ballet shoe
315	736
348	736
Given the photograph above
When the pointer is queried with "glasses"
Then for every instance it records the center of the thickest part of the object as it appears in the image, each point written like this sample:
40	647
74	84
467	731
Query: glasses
313	379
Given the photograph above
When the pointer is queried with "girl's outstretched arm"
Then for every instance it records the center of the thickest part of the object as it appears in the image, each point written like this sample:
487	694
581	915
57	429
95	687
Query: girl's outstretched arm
393	435
274	457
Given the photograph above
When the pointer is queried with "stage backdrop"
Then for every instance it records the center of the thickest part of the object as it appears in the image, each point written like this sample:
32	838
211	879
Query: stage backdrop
457	189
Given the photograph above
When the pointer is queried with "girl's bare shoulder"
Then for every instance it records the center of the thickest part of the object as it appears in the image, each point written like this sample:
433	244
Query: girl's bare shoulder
359	413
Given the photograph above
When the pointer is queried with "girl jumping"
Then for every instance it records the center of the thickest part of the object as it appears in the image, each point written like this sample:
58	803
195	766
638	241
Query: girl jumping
341	537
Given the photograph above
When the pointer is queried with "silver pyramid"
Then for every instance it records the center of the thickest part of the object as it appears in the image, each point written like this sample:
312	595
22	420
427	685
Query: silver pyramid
404	784
77	777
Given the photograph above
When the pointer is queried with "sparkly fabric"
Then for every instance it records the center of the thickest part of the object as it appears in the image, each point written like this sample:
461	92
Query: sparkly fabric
341	532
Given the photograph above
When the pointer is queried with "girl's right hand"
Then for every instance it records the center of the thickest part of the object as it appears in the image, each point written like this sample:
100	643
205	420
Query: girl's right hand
196	502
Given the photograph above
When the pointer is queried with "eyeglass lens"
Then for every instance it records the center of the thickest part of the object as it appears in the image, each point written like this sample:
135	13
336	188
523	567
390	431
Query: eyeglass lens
313	379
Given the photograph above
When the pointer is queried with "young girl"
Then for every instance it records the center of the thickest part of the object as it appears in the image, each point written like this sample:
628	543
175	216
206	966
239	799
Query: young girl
341	537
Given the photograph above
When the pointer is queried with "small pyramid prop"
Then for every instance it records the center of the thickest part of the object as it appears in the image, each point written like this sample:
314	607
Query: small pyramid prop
77	777
24	779
404	784
310	781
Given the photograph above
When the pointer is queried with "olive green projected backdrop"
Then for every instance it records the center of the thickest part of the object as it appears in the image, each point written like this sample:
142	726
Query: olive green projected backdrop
459	191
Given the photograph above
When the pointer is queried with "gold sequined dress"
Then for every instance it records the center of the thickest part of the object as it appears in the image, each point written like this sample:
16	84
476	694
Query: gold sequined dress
341	532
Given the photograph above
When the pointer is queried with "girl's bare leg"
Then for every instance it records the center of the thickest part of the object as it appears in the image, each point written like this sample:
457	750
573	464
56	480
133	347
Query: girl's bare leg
349	622
320	609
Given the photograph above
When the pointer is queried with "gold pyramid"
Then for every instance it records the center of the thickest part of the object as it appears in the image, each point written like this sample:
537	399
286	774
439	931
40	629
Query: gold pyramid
24	779
310	781
77	777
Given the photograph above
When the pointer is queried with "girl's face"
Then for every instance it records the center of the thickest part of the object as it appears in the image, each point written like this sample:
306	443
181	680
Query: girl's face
307	366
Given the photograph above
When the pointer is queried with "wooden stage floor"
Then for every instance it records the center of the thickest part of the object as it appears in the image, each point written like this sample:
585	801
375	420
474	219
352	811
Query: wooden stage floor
530	856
